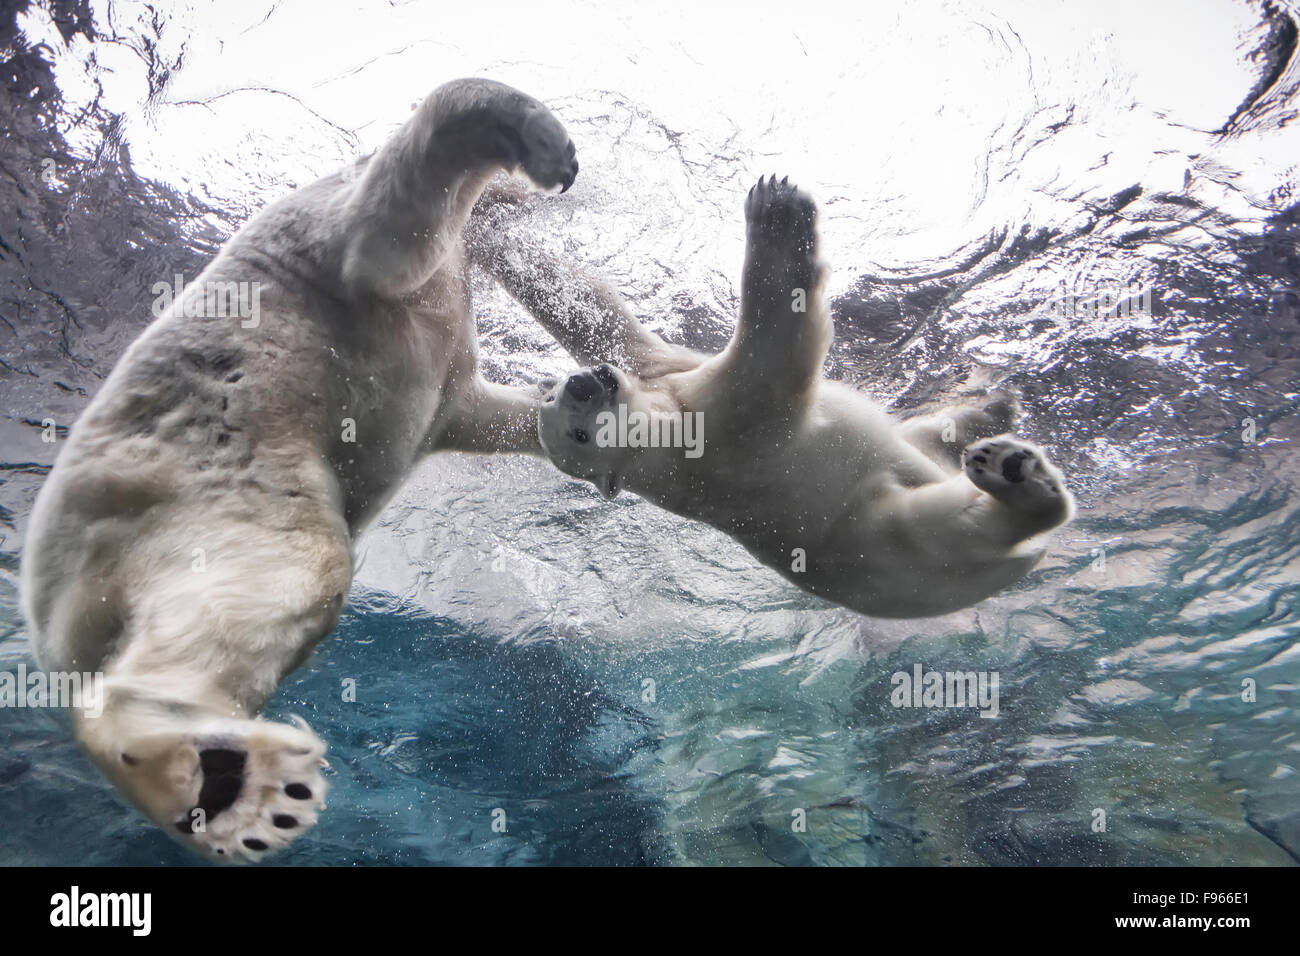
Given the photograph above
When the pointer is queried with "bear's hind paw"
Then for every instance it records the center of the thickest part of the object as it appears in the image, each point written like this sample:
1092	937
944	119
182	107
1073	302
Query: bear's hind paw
236	791
1017	474
1003	409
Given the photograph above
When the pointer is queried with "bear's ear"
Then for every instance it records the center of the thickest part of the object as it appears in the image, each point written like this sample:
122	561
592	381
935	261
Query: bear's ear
608	484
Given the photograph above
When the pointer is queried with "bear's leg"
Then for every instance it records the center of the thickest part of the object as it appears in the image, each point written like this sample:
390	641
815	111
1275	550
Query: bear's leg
943	435
784	329
205	644
583	313
492	419
404	214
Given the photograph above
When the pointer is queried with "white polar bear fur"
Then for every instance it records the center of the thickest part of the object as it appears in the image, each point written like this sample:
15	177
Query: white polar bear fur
815	479
194	539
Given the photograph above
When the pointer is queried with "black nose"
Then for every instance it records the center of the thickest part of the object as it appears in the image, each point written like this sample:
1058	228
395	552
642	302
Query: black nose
605	375
582	386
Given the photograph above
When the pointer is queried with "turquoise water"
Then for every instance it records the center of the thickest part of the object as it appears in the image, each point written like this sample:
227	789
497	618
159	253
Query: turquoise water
625	687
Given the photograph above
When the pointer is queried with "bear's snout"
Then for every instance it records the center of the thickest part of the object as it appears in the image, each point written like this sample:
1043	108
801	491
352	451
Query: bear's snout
587	384
582	386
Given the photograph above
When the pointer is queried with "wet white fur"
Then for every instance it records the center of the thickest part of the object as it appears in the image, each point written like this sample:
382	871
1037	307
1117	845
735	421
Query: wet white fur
194	539
813	477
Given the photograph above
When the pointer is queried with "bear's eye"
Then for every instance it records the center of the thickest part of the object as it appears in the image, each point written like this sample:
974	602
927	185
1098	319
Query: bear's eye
580	436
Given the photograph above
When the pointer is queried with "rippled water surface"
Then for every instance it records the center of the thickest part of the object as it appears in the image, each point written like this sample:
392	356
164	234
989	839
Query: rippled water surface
630	687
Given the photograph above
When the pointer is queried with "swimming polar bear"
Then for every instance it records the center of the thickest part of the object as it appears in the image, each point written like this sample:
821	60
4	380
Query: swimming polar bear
194	539
818	482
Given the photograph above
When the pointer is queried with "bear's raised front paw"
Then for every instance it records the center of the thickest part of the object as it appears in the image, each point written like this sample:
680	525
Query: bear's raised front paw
778	213
476	120
236	791
546	154
1017	474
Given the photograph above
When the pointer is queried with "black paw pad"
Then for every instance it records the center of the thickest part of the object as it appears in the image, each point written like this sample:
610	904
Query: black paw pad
1011	466
299	791
223	778
284	821
255	845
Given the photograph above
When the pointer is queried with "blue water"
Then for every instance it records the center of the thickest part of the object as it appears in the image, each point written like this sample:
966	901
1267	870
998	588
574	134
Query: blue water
626	687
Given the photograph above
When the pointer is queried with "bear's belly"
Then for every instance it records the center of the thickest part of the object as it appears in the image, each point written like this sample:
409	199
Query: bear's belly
385	402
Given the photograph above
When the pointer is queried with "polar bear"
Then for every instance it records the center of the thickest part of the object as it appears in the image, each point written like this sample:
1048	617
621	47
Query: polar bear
194	539
818	482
